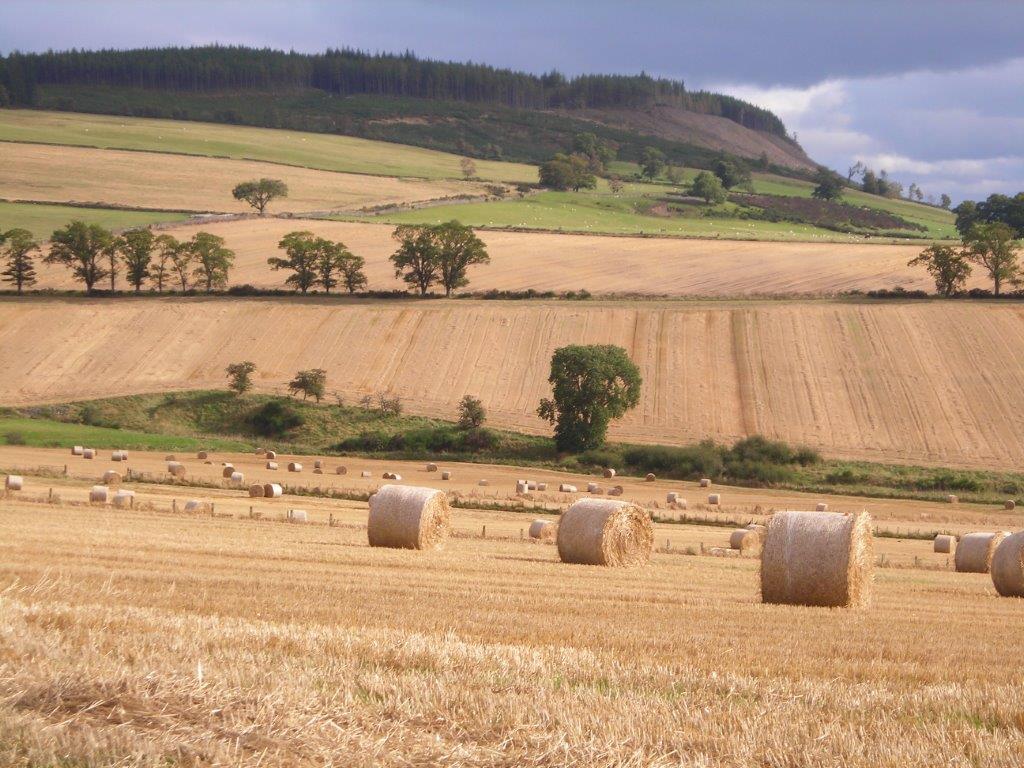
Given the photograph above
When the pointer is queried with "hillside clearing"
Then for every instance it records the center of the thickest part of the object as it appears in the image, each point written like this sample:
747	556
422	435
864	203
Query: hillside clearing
925	383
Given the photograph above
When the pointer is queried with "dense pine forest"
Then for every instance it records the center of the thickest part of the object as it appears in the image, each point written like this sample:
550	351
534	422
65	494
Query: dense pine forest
350	72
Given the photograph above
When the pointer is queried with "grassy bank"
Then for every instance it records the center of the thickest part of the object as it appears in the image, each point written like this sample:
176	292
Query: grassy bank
221	421
41	219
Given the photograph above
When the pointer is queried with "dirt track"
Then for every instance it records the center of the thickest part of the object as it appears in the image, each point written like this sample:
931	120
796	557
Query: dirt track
930	382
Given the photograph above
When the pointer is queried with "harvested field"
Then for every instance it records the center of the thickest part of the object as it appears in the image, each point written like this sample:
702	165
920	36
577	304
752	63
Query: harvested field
600	264
180	182
928	383
164	634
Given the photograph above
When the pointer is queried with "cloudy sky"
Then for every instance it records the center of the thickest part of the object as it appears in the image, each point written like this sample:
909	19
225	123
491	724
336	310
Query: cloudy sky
932	91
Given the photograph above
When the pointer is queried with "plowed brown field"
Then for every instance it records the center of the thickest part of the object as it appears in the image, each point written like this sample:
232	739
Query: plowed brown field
926	382
182	182
602	265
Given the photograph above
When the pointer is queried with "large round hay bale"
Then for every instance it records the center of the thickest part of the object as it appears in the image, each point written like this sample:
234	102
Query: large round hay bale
446	475
77	450
340	470
237	478
975	550
818	558
952	499
705	482
294	466
123	499
119	456
227	471
431	467
408	517
14	482
203	455
671	497
605	532
256	491
1009	504
714	499
111	477
272	466
593	488
540	486
545	530
944	544
176	468
88	453
617	490
609	472
272	490
98	494
1008	566
747	541
318	464
271	455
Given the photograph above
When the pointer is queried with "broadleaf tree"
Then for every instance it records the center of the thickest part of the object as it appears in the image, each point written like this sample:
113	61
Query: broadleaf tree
16	247
81	248
260	193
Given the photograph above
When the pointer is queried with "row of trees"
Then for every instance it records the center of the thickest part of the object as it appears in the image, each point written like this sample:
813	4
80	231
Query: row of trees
347	71
316	261
880	184
992	246
438	254
997	209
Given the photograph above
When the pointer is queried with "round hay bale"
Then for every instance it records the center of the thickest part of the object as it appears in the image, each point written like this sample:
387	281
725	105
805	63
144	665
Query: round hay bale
705	482
650	477
446	475
228	471
237	478
272	490
272	466
408	517
714	499
1008	566
821	506
1009	504
298	516
203	455
77	450
98	494
14	482
616	491
197	506
593	488
542	486
119	456
545	530
318	464
123	499
170	457
531	485
256	491
483	483
271	455
176	468
88	453
521	487
111	477
366	473
609	473
818	558
952	499
605	532
431	467
340	471
671	497
294	466
566	488
747	541
944	544
974	552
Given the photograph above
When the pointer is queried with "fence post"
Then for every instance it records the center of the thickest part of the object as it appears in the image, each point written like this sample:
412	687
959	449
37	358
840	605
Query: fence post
485	532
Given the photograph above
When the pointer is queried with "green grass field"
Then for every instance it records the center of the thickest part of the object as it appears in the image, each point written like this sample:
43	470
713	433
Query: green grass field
47	433
310	150
41	219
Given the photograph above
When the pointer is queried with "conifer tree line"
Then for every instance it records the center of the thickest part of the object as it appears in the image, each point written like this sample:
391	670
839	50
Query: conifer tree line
346	71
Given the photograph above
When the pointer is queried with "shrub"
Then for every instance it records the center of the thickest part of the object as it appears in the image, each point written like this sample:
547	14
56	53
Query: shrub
471	413
275	418
14	438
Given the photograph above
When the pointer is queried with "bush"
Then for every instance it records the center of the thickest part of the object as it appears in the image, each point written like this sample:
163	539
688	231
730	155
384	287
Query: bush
471	413
275	418
14	438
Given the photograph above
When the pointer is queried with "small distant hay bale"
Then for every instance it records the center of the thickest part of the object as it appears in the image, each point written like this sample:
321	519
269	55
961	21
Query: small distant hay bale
88	453
1009	504
366	473
671	497
271	455
256	491
391	476
483	483
521	487
609	472
818	559
298	516
176	468
408	517
431	467
821	506
318	471
98	494
318	464
237	478
544	530
605	532
228	471
944	544
714	499
531	485
203	455
272	491
705	482
616	491
446	475
952	499
542	486
111	477
272	466
197	506
974	552
119	456
1008	566
77	450
650	477
748	542
123	499
294	466
593	488
170	457
566	488
14	482
341	470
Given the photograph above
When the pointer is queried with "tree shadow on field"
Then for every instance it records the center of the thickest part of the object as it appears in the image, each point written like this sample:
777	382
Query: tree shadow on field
521	559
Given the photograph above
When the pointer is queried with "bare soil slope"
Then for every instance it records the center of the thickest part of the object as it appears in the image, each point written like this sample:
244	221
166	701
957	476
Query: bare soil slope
928	383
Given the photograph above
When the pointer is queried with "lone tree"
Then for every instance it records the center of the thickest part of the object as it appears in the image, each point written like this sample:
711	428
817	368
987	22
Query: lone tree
591	385
17	246
304	250
136	247
994	247
81	247
468	167
471	413
945	201
416	260
829	185
259	193
652	162
311	383
240	376
948	266
707	186
731	174
458	248
563	172
212	259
